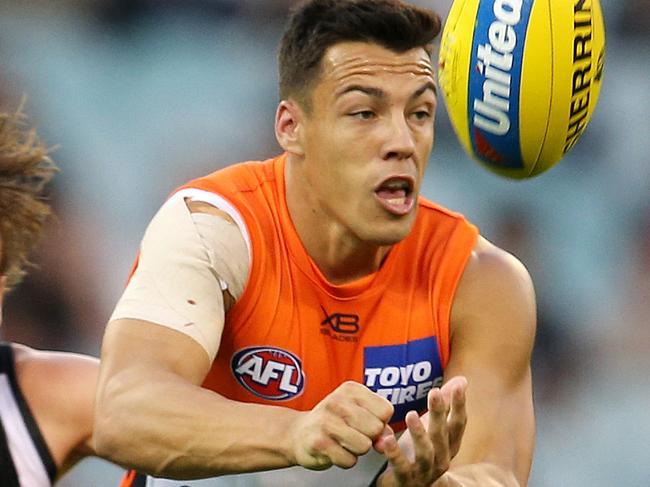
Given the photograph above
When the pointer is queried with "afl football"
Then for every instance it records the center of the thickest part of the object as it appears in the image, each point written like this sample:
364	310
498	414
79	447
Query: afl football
521	79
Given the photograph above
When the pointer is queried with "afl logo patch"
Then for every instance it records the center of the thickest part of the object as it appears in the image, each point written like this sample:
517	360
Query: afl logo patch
268	372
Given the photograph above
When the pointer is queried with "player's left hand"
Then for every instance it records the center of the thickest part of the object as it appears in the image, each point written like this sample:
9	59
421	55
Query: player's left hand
423	458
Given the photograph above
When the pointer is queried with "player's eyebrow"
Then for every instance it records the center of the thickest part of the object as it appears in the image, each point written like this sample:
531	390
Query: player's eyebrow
381	94
368	90
429	85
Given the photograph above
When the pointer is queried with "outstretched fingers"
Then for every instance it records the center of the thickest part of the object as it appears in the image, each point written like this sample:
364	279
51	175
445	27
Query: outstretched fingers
434	440
438	431
424	450
397	460
457	418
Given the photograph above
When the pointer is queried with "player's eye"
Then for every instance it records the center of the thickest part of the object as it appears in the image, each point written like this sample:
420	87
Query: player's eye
363	114
422	115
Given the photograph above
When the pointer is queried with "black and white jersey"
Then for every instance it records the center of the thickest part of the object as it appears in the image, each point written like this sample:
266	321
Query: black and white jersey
25	460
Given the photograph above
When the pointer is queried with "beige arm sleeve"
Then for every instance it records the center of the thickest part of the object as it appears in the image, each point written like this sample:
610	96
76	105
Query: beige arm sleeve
186	261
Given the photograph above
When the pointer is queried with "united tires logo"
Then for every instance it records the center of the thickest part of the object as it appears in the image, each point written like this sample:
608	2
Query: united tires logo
268	372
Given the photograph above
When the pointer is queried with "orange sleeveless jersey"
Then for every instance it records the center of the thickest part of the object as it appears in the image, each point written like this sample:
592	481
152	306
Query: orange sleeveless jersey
293	337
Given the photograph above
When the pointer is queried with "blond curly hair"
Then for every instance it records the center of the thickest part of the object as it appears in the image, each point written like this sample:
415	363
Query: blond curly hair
25	168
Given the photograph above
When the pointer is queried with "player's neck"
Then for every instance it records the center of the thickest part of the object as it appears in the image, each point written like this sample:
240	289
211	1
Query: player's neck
339	260
339	254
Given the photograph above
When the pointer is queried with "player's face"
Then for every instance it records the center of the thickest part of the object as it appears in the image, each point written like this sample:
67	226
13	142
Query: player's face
369	135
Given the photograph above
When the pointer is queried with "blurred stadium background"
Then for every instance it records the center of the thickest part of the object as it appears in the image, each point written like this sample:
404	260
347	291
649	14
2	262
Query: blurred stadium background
141	95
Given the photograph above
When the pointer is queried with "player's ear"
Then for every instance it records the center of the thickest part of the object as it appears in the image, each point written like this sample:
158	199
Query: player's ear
289	120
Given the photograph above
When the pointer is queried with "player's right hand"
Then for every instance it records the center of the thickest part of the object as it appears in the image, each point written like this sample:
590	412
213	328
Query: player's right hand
342	427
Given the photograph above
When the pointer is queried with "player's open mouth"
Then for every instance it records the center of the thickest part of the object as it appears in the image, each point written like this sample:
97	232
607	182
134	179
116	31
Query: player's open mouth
395	194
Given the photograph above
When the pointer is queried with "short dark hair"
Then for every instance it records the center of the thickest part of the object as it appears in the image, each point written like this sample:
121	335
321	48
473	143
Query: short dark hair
25	168
317	25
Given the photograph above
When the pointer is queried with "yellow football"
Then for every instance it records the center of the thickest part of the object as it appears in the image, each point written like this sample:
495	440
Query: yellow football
521	79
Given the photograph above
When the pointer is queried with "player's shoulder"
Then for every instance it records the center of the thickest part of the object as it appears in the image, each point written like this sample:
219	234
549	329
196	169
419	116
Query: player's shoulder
435	219
48	358
429	208
59	388
44	371
493	316
489	261
238	177
494	278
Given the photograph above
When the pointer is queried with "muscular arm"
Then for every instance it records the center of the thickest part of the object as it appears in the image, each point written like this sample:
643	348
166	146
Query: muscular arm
60	389
492	332
152	416
493	328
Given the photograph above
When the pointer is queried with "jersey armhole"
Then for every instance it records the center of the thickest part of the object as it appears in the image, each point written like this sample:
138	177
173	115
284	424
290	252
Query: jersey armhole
223	205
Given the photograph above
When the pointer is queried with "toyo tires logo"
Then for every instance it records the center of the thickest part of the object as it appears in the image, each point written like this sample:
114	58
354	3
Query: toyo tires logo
494	78
268	372
404	374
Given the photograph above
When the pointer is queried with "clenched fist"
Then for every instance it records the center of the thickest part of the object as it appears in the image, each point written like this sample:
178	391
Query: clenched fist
342	426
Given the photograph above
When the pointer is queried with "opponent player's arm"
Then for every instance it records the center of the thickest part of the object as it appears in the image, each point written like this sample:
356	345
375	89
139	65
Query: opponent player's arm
152	415
493	327
60	390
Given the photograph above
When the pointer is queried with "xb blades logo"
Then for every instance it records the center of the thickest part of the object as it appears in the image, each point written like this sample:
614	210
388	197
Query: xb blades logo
341	322
339	326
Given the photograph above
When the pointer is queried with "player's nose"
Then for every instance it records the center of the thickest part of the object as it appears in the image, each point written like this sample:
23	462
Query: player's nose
400	142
